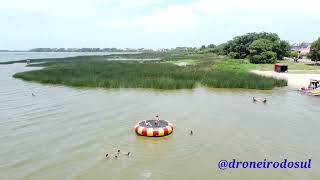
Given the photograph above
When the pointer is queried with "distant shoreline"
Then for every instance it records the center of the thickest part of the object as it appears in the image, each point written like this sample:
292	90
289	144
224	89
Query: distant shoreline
110	50
48	58
120	51
13	51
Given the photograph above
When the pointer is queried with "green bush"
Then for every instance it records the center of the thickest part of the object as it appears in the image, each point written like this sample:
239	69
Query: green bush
256	59
234	55
294	54
269	57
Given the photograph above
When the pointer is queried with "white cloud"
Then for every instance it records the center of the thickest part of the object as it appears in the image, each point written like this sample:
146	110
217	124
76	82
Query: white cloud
74	7
230	16
169	20
157	23
61	8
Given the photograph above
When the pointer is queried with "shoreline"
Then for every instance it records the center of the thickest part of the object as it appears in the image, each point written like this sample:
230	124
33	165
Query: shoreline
295	81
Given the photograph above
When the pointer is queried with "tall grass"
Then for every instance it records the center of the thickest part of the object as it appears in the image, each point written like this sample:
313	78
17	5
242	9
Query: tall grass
233	79
111	74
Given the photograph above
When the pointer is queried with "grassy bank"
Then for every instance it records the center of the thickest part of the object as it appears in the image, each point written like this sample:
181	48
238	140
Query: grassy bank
95	72
245	65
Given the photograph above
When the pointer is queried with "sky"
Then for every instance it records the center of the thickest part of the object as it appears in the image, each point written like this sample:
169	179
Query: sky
27	24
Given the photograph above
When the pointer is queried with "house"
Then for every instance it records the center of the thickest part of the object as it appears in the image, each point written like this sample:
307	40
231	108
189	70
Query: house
302	48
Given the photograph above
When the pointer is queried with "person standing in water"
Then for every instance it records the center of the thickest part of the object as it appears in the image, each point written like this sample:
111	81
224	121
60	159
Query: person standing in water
157	119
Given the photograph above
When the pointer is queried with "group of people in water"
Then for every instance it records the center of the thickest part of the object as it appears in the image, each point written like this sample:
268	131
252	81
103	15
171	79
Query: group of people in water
118	153
254	99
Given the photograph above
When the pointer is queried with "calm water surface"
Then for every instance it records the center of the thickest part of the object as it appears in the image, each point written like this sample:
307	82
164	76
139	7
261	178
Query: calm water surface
14	56
64	133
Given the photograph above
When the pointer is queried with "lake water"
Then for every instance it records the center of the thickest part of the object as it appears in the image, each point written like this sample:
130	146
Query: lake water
14	56
64	133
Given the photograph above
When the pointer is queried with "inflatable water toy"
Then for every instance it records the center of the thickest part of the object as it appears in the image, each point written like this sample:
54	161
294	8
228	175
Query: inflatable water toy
153	128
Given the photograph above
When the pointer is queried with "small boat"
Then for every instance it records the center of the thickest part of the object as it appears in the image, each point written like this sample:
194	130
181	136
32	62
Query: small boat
314	92
313	88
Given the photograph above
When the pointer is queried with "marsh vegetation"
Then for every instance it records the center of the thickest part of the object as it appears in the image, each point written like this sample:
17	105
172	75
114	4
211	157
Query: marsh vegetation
95	71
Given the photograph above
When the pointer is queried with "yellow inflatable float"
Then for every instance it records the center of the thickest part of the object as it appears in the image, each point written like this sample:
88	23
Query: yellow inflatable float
153	128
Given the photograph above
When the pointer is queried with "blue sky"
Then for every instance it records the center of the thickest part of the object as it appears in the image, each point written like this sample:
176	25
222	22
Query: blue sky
29	24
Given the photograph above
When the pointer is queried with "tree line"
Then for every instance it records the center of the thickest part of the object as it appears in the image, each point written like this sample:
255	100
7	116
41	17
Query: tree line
258	47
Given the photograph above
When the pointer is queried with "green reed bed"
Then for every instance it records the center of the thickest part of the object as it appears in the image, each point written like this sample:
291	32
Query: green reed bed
129	74
233	79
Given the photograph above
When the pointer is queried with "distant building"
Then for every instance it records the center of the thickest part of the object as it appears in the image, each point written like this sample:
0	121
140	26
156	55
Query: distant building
302	48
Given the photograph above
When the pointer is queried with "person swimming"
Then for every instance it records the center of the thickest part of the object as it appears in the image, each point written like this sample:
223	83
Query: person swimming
116	156
265	100
107	155
254	99
118	151
128	154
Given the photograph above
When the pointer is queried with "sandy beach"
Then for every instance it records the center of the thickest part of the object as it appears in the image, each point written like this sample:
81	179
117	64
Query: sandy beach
295	81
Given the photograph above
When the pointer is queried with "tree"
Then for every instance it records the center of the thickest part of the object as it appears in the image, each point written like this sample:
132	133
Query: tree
282	48
315	51
239	47
294	55
211	46
261	52
240	44
219	49
202	47
260	46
